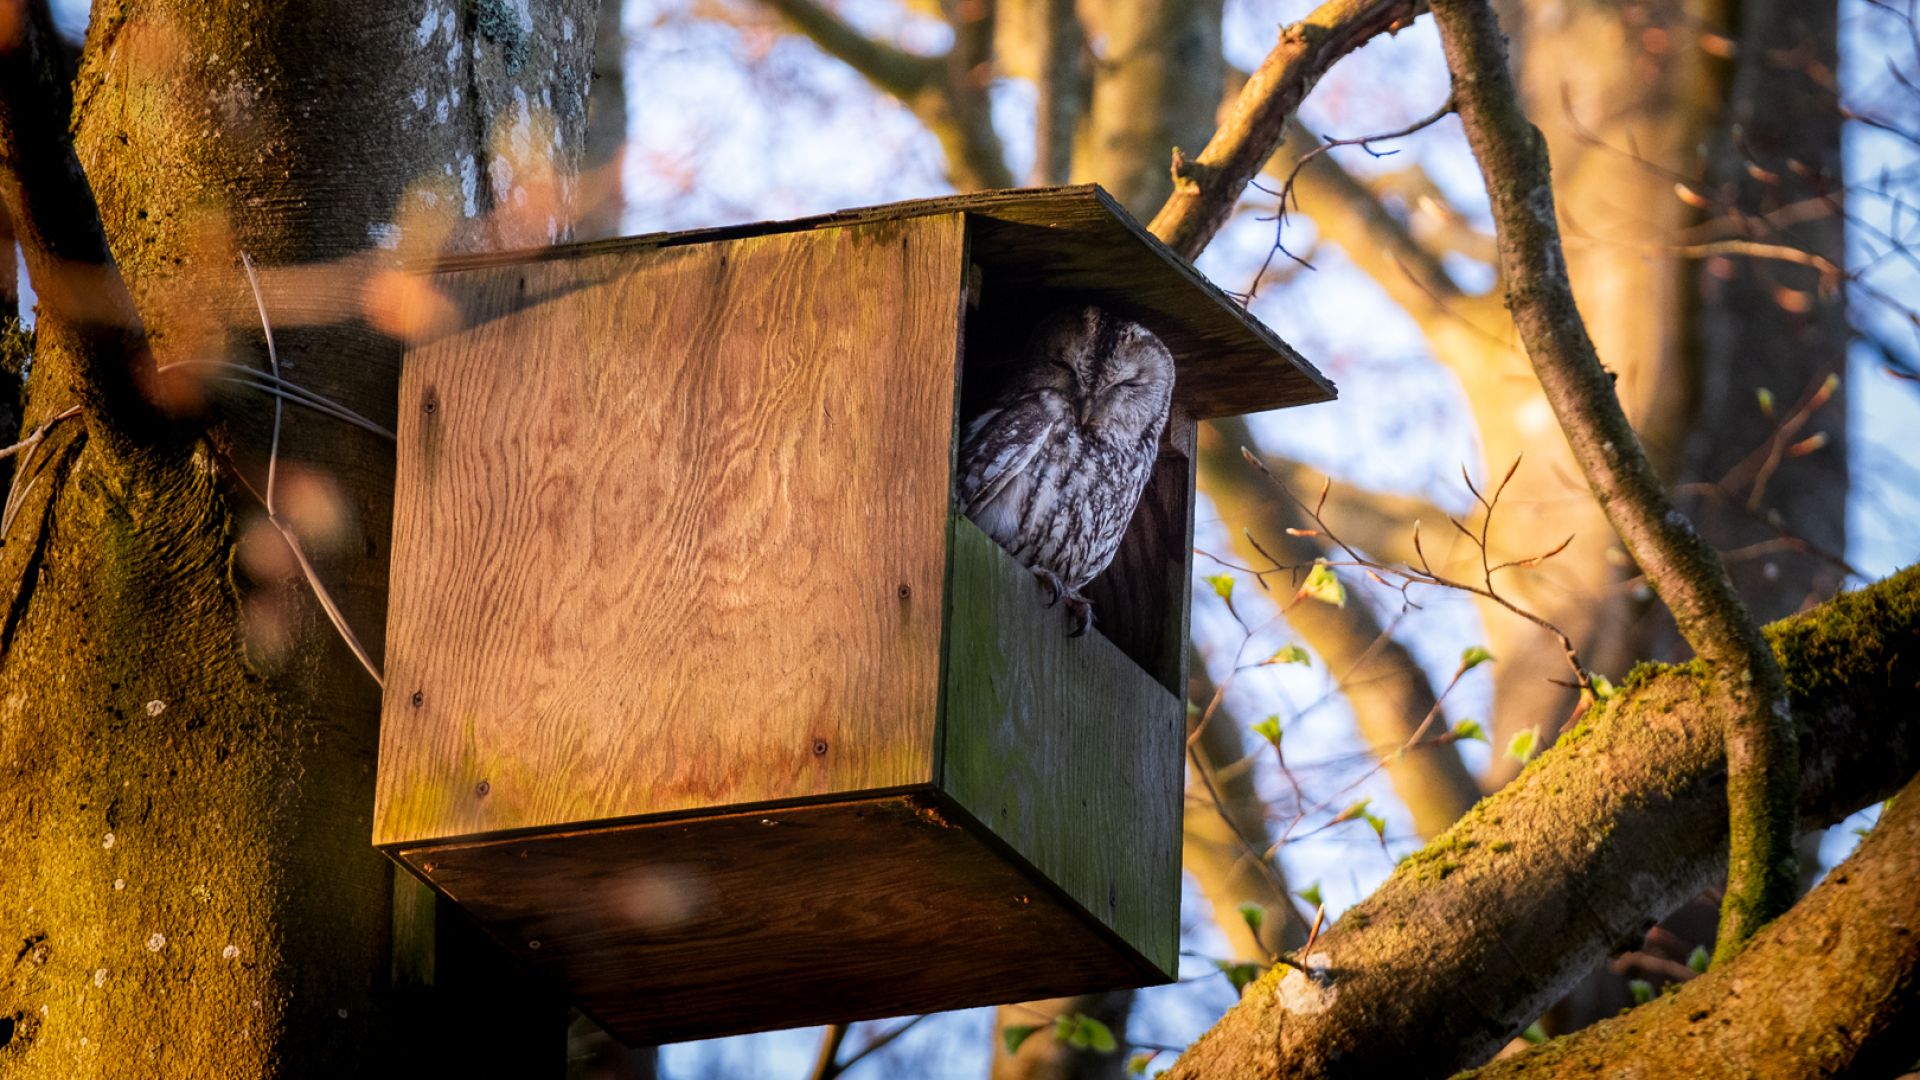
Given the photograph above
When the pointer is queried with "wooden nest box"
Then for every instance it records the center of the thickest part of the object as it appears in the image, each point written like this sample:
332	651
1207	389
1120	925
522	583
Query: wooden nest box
699	696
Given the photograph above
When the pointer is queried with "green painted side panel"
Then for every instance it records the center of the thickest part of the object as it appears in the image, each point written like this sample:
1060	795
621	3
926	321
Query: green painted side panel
1063	747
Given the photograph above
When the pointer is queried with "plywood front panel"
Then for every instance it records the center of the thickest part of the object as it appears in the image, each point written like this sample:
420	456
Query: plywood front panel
1075	240
809	915
670	531
1064	748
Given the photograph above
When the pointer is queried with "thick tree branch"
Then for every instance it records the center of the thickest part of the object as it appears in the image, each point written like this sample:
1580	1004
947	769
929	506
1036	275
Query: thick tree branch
948	93
962	115
88	321
1206	187
1062	86
1618	824
900	73
1682	568
1830	989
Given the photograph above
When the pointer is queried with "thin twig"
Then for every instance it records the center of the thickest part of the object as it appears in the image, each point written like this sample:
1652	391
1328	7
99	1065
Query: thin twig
33	437
255	379
1289	198
879	1042
826	1062
26	448
273	361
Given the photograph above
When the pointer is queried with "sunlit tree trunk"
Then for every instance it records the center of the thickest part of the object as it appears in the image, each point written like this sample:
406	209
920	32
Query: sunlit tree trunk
186	744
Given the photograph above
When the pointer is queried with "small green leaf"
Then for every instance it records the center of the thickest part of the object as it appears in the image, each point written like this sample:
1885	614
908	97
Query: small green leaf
1013	1035
1351	812
1254	915
1765	397
1311	894
1469	729
1291	654
1379	825
1535	1033
1697	959
1269	729
1137	1064
1642	990
1602	686
1238	975
1324	585
1083	1032
1520	747
1473	657
1222	585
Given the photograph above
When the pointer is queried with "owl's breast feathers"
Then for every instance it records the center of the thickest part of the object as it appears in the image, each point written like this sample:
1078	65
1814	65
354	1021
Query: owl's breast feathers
1056	495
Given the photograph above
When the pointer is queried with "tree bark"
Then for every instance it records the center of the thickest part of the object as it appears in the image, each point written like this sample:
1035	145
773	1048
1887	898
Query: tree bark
1621	822
1157	75
186	746
1831	989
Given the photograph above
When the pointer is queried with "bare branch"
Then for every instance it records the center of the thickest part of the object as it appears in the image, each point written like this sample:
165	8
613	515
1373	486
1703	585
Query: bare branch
948	93
1062	85
1289	199
1354	216
898	72
1206	187
1681	567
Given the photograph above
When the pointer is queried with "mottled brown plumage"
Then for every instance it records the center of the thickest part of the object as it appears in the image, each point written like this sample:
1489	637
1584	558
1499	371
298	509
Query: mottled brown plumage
1054	469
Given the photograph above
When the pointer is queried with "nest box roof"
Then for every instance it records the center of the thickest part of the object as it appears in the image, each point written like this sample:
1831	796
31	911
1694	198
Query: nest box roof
1075	240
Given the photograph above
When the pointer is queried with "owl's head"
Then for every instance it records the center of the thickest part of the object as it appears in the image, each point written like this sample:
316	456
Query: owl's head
1117	376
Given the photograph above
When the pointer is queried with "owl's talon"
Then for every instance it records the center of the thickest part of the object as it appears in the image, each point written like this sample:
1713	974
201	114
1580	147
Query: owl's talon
1081	609
1054	586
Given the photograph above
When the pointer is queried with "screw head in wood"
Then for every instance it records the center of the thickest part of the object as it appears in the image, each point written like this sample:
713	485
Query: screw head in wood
419	698
480	789
819	748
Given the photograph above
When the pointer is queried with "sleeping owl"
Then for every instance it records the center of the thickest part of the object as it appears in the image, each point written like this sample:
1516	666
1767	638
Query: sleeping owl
1054	468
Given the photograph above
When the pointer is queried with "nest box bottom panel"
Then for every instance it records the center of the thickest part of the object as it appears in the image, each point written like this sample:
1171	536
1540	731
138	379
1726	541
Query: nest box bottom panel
672	930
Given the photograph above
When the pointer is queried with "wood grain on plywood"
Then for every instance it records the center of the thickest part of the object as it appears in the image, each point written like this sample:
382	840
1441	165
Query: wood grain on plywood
1078	240
671	530
1063	747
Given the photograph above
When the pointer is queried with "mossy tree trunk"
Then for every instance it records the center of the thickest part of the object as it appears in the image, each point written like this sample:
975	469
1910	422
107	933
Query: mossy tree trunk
186	744
1620	822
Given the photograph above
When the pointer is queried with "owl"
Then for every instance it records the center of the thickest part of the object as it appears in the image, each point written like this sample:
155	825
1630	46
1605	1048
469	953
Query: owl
1054	468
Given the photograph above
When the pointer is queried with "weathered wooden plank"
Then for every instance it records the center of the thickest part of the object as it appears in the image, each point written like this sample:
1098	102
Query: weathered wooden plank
1074	240
671	531
1063	747
807	915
